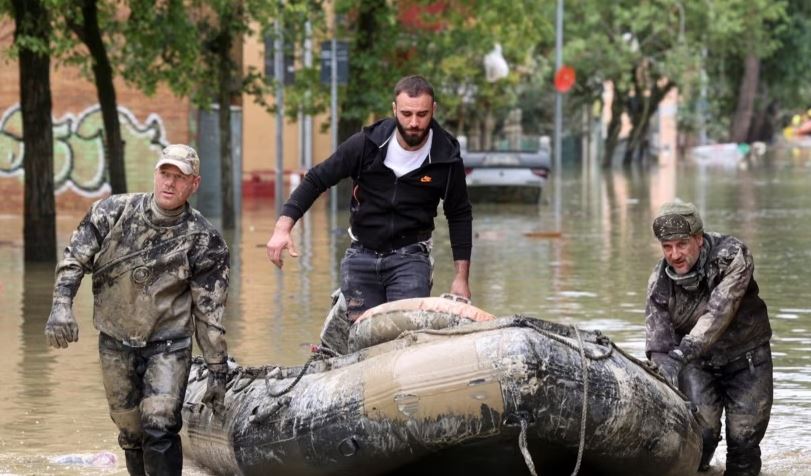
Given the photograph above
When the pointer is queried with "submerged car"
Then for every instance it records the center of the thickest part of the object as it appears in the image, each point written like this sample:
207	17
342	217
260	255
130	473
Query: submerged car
506	175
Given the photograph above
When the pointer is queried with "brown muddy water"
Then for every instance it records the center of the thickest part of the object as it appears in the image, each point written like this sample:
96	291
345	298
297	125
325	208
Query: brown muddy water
590	271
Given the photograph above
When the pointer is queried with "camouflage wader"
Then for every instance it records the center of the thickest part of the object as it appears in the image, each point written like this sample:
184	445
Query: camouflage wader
145	389
722	317
744	389
157	279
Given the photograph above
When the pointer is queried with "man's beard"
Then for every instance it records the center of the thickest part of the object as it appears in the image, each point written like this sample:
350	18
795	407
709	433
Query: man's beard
412	140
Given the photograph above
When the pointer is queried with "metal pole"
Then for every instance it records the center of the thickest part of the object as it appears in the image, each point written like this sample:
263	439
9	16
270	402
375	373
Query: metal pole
308	119
333	85
558	114
278	72
702	101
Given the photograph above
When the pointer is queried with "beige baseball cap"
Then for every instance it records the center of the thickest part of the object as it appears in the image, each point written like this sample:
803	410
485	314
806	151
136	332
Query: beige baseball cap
181	156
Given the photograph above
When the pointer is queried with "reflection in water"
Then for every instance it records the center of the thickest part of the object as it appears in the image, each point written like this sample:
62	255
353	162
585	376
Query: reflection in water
593	274
37	365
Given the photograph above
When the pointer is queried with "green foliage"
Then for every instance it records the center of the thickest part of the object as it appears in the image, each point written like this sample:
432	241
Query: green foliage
786	70
22	40
446	43
725	32
635	45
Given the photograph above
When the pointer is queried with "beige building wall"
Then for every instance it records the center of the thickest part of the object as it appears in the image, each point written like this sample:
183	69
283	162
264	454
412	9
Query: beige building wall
259	132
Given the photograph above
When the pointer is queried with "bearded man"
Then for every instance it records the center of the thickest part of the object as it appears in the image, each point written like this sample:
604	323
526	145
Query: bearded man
708	332
401	168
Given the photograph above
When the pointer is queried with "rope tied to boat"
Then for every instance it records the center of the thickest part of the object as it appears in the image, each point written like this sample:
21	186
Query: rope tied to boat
600	339
522	444
584	412
287	389
522	437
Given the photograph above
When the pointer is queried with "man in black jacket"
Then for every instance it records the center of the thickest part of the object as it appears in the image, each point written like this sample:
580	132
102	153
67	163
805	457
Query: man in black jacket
708	331
401	168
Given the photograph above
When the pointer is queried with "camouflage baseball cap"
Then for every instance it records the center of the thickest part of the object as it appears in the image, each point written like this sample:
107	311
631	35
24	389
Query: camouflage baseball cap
181	156
677	220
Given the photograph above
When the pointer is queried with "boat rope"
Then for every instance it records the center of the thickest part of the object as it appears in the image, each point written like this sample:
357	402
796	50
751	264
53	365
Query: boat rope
287	389
522	444
584	411
517	322
522	437
233	384
603	340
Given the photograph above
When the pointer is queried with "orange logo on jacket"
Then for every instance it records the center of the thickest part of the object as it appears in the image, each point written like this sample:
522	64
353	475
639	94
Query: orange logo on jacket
425	179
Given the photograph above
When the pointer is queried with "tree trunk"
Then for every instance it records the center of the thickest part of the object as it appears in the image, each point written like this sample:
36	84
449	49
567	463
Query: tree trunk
225	42
226	161
614	126
762	127
90	34
638	140
39	228
739	129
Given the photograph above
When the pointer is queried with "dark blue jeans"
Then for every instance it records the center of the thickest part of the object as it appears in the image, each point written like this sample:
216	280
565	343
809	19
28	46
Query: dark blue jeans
370	278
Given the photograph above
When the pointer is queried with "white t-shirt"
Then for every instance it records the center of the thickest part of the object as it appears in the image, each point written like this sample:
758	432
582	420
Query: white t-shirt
402	161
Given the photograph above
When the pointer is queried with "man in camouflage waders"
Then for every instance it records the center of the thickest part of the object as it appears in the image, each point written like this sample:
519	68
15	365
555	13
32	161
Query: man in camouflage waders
708	332
160	274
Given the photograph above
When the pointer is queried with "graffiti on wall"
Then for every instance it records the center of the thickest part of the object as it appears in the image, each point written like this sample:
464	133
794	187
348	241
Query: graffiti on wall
79	161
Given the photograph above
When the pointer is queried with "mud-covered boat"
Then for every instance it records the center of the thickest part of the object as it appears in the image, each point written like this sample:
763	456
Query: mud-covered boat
495	396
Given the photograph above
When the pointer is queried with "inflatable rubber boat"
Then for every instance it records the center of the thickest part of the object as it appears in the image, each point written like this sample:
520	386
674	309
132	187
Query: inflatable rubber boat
435	388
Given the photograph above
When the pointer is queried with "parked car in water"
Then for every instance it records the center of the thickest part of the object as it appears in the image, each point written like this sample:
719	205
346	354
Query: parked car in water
507	175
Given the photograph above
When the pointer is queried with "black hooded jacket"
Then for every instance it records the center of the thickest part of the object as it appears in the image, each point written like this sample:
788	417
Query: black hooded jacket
387	211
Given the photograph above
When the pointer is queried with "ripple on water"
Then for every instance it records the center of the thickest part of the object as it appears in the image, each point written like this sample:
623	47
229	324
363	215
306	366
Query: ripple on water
784	315
796	311
577	294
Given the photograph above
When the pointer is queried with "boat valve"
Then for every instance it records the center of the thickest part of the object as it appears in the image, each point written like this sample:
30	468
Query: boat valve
348	447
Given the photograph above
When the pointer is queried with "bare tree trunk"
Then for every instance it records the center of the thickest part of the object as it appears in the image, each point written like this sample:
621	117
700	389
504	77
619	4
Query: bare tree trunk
226	161
638	140
225	42
739	130
762	127
90	34
614	126
39	229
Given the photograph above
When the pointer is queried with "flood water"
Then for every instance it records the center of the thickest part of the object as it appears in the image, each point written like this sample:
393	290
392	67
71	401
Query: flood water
591	270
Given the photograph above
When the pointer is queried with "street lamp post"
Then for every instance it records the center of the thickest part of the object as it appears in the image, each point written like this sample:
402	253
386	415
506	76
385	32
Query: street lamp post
278	72
558	115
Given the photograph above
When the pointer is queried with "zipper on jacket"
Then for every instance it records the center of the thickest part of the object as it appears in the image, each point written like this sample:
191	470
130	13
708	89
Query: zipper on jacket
393	203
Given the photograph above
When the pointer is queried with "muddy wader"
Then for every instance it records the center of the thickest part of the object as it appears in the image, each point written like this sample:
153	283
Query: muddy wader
708	331
742	387
158	278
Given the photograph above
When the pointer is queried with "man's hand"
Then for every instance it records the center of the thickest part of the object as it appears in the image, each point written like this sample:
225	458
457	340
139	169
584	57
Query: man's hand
669	367
215	392
459	285
61	327
281	240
